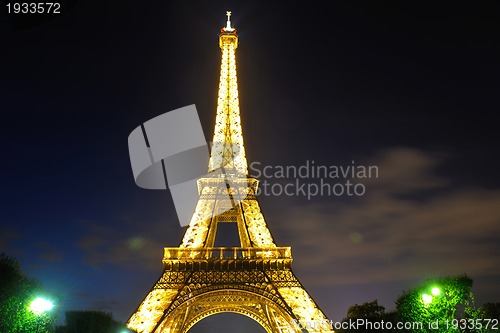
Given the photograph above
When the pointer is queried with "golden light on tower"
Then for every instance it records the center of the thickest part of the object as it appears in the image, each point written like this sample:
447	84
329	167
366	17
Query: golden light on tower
255	279
228	151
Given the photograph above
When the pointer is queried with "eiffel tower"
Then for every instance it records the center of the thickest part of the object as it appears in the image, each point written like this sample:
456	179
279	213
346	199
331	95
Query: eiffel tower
255	279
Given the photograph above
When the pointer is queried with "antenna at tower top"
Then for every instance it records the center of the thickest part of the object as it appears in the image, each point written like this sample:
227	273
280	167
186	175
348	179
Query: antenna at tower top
228	27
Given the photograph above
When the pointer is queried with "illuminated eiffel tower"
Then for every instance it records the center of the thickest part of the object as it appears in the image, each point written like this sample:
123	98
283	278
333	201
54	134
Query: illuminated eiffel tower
255	279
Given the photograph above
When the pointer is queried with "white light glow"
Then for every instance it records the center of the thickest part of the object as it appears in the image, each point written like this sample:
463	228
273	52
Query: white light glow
427	299
436	291
40	305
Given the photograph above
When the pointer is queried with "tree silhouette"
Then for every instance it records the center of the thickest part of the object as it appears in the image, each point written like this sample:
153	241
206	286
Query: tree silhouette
368	317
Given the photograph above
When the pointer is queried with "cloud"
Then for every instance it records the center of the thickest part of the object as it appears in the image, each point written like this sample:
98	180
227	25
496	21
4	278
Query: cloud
397	231
15	240
411	224
103	245
406	170
126	242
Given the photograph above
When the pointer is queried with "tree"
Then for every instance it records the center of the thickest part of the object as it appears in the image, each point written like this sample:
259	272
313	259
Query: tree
367	317
366	310
491	310
435	303
17	291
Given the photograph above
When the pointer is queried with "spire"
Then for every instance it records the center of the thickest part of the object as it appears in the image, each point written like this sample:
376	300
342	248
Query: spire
228	151
228	24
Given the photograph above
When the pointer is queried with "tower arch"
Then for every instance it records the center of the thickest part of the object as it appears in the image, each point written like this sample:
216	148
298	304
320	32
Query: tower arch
271	316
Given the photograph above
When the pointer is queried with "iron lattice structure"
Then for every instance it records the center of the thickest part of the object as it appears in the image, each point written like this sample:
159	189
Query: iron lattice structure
256	279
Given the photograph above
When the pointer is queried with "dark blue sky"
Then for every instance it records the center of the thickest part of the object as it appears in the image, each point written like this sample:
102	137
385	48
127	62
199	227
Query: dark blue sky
411	88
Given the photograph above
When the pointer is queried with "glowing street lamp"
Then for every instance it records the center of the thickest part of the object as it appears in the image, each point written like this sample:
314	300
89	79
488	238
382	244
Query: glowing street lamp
40	305
427	299
436	291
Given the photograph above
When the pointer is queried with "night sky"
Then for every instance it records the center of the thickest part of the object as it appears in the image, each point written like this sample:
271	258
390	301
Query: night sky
409	88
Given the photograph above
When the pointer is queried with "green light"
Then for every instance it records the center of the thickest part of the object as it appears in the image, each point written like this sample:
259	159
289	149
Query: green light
436	291
40	305
427	299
